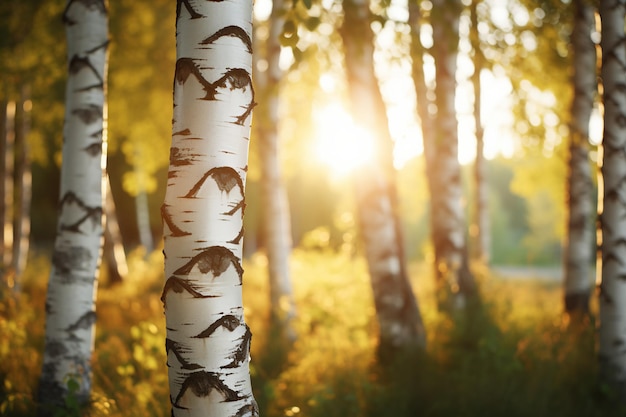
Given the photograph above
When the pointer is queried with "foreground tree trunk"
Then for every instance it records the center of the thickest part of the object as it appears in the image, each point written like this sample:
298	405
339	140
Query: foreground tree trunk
208	340
275	203
612	207
578	249
70	307
397	310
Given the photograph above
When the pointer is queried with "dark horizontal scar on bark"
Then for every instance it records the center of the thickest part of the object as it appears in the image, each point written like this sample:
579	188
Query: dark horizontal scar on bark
229	322
171	346
84	322
250	408
184	132
89	114
167	219
201	383
232	31
178	285
226	179
215	259
95	149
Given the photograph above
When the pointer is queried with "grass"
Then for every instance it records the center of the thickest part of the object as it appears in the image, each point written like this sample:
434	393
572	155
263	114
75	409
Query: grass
511	356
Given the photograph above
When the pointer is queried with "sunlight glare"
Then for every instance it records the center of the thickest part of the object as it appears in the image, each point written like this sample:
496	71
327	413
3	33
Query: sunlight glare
340	144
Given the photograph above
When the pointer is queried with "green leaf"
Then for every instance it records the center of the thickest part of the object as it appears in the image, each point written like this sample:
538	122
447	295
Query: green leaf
307	3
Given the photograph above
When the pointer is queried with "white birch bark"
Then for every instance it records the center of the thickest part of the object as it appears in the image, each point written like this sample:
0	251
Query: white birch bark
481	230
453	280
612	211
276	216
207	339
70	307
580	204
397	309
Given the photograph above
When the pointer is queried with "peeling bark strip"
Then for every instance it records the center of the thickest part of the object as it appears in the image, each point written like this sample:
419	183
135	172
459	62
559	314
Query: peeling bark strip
207	340
70	303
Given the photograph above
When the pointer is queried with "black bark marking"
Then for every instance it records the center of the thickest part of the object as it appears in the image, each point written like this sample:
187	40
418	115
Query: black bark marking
56	348
202	383
229	322
237	238
172	346
71	259
177	158
232	31
239	206
93	213
233	78
94	150
251	409
226	179
84	322
242	352
78	63
184	132
215	259
190	10
186	67
167	219
89	114
178	285
89	4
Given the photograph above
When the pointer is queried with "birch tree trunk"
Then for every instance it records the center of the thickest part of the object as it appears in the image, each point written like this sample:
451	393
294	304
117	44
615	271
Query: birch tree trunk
4	131
454	282
70	307
208	340
276	215
578	244
397	310
8	179
481	230
23	187
612	210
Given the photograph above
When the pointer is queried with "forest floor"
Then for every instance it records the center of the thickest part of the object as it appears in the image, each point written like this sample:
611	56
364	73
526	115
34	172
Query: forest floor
512	355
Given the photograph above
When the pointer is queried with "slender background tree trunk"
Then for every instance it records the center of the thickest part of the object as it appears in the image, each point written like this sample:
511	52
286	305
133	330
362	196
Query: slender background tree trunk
612	207
70	302
578	252
397	310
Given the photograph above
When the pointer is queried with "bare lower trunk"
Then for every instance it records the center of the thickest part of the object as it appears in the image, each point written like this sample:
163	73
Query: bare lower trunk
70	302
612	208
397	311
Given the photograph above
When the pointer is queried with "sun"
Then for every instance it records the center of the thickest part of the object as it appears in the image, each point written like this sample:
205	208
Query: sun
340	144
